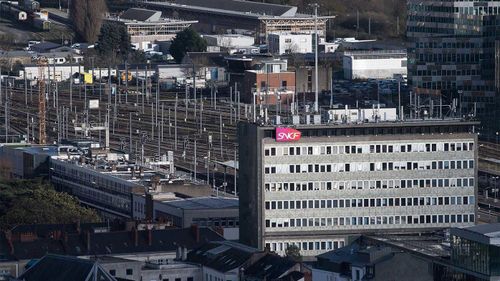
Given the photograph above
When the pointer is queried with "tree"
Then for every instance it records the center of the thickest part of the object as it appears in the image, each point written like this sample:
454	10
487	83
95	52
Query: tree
87	16
185	41
114	42
293	253
30	202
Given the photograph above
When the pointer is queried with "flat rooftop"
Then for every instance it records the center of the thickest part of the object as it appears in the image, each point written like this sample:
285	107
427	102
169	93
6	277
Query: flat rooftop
483	233
388	124
432	245
204	203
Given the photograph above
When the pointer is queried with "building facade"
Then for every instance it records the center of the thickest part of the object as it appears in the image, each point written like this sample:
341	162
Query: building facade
349	179
452	53
289	43
374	64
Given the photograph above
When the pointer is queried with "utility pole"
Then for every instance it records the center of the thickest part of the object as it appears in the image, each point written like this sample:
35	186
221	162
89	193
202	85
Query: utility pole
194	168
175	121
316	92
369	25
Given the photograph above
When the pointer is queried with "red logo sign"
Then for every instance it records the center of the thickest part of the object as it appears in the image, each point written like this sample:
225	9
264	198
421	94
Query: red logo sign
287	134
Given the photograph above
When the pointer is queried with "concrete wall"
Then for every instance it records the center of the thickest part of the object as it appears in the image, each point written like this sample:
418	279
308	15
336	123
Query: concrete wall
284	43
120	269
323	275
172	272
250	185
305	77
373	68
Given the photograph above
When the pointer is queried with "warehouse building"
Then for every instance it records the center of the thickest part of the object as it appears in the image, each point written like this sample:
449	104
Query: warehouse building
314	185
374	64
221	16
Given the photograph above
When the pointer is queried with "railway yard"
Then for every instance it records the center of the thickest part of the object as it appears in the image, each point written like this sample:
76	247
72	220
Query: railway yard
201	132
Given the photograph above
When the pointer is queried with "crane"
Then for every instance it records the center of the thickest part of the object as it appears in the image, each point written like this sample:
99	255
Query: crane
42	124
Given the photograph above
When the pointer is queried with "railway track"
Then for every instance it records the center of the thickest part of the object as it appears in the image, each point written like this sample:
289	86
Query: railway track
153	125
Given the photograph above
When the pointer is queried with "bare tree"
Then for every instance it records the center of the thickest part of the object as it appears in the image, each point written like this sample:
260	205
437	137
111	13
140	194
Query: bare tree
87	16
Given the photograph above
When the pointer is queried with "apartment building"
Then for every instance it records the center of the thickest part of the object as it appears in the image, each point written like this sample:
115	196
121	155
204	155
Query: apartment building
314	185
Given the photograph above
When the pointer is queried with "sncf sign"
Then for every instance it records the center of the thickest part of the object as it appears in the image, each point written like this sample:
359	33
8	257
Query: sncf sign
287	134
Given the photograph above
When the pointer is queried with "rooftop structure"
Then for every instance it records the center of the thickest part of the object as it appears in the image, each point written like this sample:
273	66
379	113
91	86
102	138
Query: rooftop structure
86	240
488	234
146	27
260	18
137	14
62	268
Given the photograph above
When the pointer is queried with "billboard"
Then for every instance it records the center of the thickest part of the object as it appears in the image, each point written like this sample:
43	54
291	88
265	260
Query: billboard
287	134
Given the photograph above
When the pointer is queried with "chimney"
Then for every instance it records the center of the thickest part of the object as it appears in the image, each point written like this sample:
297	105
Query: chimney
195	231
150	236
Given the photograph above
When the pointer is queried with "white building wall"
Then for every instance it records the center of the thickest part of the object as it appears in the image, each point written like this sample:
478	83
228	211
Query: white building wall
210	274
282	43
57	73
229	40
353	184
373	68
323	275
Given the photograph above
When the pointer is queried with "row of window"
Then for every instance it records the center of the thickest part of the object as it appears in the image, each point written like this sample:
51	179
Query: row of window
368	184
369	220
374	148
369	166
369	202
306	245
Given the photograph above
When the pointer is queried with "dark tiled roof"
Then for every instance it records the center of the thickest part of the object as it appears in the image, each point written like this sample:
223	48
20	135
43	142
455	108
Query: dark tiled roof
138	14
44	46
293	276
270	267
61	268
221	256
116	242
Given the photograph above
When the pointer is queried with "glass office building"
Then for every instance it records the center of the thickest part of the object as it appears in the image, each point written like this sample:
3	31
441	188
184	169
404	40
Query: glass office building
476	249
452	54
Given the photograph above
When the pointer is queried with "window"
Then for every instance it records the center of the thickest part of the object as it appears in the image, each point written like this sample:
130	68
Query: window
129	271
112	272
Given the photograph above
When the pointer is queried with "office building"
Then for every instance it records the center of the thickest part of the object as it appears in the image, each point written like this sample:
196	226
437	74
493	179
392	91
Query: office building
313	185
451	54
476	250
